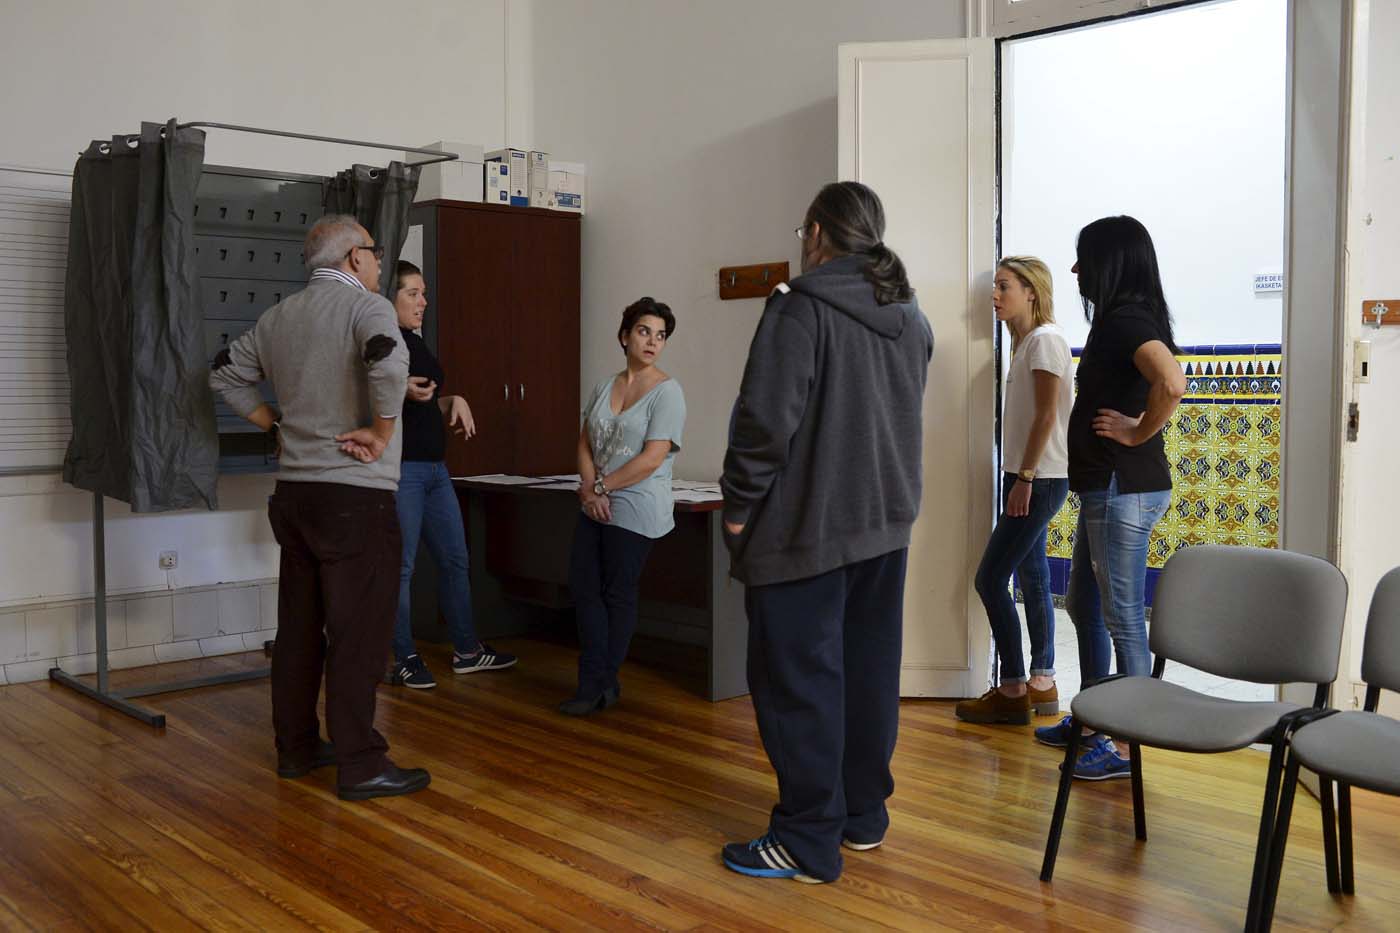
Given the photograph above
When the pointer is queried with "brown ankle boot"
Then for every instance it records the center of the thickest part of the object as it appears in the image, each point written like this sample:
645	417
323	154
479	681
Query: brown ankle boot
1044	702
995	707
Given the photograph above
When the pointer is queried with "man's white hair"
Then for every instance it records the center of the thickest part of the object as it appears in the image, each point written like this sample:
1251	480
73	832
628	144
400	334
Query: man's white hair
330	239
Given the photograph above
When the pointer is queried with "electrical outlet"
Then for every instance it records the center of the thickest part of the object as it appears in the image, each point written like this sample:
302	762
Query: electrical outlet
169	560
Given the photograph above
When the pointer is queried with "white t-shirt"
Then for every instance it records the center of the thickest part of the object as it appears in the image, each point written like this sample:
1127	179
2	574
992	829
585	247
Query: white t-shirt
1045	349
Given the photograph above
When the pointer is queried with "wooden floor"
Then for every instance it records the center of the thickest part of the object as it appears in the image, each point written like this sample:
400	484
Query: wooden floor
613	822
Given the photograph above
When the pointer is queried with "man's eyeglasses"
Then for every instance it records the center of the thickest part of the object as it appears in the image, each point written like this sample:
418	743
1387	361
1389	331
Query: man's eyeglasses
378	251
801	232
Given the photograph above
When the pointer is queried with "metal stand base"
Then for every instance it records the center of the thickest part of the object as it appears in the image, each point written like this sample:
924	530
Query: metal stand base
149	717
145	690
117	699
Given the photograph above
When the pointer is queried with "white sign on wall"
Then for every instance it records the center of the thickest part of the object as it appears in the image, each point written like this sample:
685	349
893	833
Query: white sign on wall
1268	283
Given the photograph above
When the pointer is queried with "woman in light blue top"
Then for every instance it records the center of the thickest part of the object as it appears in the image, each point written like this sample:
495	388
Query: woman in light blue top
632	425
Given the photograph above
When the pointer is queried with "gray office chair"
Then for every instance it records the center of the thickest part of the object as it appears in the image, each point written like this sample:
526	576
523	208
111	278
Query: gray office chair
1255	614
1360	749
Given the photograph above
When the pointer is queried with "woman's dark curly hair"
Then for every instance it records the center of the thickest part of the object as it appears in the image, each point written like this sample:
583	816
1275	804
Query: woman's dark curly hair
641	308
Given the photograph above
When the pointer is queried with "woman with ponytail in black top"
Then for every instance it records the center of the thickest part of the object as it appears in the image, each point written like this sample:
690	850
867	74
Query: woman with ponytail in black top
427	505
821	486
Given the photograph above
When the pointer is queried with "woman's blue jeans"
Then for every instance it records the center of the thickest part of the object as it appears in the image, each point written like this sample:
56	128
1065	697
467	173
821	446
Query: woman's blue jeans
1108	577
428	509
1017	545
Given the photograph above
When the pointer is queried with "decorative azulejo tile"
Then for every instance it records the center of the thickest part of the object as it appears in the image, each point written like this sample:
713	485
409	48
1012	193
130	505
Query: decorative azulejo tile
1223	449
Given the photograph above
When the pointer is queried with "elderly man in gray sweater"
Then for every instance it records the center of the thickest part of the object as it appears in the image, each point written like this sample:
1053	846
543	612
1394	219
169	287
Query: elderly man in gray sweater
339	369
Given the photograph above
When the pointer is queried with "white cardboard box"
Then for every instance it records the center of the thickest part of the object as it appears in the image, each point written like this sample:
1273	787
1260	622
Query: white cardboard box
458	180
539	168
539	178
496	182
568	183
518	173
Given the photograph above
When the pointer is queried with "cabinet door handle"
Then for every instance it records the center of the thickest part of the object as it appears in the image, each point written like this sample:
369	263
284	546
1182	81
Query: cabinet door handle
506	389
522	391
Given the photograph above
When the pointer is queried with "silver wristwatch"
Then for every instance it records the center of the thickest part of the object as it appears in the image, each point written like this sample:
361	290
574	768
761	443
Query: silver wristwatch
598	488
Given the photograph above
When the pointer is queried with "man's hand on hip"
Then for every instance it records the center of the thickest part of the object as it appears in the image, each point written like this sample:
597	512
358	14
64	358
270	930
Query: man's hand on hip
364	444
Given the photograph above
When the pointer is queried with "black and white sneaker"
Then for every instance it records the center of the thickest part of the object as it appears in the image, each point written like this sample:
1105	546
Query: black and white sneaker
485	659
764	857
412	672
862	846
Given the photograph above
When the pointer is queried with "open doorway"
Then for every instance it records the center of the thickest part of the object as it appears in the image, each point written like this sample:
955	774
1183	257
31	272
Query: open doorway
1177	118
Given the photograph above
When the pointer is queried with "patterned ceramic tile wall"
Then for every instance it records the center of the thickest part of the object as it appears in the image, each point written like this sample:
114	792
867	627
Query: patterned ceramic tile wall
1223	447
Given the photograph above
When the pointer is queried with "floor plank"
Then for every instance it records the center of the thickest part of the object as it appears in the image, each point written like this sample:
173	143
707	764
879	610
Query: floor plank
612	822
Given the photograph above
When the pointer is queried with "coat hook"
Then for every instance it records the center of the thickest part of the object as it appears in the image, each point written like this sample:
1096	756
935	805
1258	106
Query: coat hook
765	276
733	279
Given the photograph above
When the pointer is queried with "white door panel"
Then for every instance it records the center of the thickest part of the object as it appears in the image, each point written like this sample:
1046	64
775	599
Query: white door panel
916	123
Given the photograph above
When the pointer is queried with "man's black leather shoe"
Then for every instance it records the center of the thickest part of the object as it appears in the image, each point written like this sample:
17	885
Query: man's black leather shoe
391	782
325	755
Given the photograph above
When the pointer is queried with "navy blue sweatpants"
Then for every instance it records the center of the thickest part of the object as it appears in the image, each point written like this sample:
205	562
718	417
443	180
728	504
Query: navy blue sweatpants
824	673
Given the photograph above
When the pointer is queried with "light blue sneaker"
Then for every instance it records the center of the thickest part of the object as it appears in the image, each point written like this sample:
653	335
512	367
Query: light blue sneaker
1056	736
1101	761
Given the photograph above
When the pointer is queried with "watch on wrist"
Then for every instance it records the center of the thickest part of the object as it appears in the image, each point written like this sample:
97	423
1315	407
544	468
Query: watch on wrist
1026	476
599	489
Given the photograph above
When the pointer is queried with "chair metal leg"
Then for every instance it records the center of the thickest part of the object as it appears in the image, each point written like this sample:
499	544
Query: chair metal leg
1277	846
1344	828
1329	833
1139	808
1266	826
1057	822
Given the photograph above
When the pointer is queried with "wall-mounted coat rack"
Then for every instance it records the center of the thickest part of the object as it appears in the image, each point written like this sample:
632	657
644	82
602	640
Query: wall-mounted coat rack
756	281
1377	312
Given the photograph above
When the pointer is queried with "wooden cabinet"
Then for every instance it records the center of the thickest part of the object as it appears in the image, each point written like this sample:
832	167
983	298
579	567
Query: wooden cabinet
503	319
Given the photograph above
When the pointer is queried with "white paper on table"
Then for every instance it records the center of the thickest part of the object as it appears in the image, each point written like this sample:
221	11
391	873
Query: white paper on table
562	477
570	485
695	495
501	479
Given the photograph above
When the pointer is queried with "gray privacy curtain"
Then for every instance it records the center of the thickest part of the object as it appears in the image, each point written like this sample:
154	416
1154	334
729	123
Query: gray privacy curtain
143	414
379	198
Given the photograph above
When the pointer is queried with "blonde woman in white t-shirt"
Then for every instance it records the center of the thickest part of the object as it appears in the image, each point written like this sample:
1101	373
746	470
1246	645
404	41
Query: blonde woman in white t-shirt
1035	421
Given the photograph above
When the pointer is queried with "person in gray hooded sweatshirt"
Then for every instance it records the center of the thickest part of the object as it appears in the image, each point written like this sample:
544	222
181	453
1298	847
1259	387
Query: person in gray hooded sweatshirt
822	482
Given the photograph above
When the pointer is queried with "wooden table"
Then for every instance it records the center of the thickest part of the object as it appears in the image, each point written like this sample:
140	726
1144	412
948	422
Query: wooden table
520	537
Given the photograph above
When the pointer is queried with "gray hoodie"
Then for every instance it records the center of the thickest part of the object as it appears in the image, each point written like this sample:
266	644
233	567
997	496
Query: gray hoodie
824	466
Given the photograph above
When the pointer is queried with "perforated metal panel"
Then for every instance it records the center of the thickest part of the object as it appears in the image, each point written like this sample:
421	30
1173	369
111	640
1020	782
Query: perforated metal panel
249	230
34	424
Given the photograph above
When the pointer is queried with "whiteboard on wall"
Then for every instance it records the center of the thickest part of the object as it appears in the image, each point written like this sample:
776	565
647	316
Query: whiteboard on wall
34	423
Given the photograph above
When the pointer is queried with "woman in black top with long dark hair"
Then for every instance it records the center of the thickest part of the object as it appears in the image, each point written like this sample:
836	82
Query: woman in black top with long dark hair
427	504
1129	385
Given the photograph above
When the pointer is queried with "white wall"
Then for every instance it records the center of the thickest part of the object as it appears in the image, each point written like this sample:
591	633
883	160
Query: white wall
75	70
1177	120
413	71
1373	496
706	128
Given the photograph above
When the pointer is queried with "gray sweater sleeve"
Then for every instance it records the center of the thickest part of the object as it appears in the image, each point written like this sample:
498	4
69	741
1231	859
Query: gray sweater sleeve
386	357
772	400
237	372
